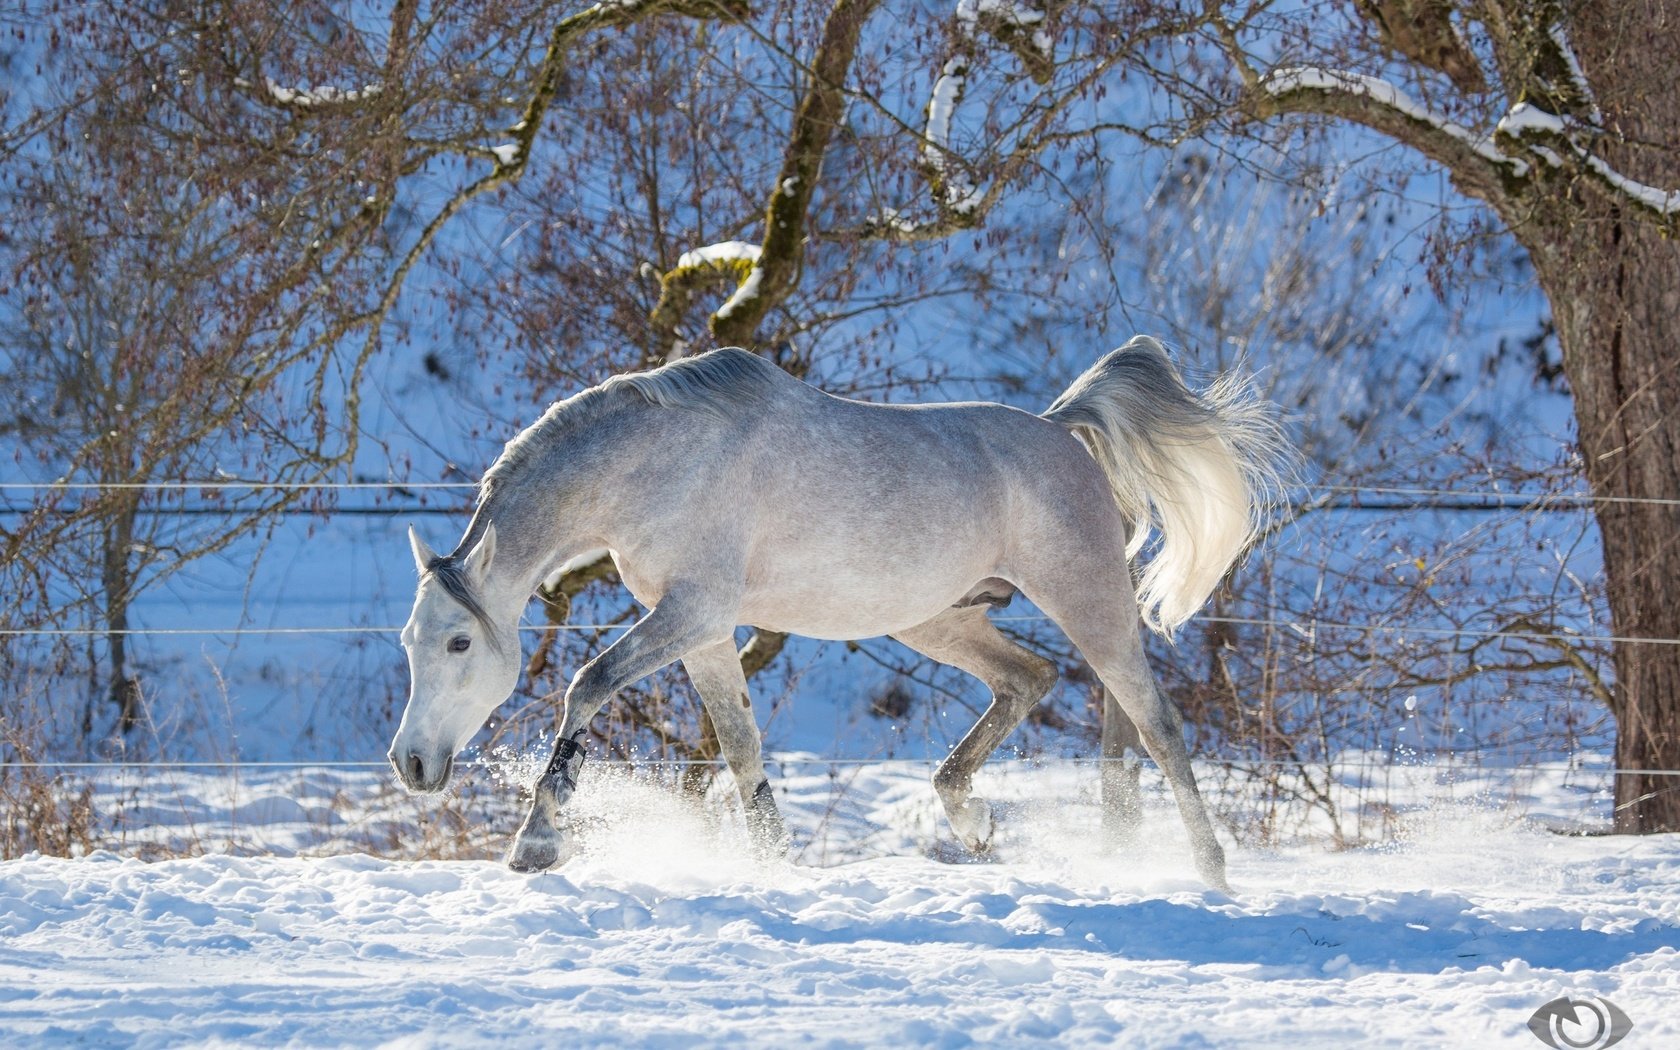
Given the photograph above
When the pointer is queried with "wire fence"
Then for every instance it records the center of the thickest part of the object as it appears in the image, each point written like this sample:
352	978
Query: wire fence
1306	492
1357	498
1329	496
842	761
1303	627
1321	497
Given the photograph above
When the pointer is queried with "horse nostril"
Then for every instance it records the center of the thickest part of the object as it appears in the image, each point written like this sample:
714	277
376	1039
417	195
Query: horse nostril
416	770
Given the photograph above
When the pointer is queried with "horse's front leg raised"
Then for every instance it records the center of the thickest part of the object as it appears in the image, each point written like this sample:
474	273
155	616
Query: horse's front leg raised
684	620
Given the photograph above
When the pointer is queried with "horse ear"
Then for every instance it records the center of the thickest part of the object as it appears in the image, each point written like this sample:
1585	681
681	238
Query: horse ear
423	555
478	559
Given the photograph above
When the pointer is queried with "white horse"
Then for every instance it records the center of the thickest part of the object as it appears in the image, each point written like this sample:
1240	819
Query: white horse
727	493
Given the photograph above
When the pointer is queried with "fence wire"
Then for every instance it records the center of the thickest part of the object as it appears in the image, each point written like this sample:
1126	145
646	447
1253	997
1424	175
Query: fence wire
1303	628
806	760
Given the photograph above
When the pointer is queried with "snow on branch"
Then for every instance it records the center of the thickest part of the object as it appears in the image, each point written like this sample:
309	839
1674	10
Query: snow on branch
1005	19
1280	84
319	96
722	252
1582	91
1559	139
957	192
1665	203
695	269
1524	134
962	201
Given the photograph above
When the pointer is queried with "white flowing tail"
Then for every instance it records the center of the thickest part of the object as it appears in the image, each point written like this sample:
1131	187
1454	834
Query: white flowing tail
1202	469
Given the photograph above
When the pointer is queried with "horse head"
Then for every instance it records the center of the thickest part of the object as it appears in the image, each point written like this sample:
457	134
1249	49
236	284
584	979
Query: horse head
461	664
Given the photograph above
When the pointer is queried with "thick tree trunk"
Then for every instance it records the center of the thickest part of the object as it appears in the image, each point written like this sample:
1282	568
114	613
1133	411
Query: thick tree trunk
1614	284
1619	339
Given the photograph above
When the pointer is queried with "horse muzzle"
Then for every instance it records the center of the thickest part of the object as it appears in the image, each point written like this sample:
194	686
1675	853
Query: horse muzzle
420	774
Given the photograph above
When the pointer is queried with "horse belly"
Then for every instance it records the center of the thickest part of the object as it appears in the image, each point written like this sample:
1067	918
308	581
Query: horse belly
862	591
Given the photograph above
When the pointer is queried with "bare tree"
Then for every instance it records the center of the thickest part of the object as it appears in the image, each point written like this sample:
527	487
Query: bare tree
593	189
1561	118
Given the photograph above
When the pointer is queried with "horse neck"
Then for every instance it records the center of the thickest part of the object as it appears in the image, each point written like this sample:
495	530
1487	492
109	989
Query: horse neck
554	506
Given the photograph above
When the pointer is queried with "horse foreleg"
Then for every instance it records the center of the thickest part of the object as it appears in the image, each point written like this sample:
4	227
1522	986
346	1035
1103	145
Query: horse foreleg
717	676
684	620
1018	679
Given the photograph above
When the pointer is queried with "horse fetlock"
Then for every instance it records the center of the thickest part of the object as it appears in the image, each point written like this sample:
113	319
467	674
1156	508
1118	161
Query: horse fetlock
952	784
770	838
1122	804
1120	828
552	793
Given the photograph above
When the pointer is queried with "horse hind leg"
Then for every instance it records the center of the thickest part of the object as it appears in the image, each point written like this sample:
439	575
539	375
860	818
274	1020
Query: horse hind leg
965	639
1091	599
718	678
1122	805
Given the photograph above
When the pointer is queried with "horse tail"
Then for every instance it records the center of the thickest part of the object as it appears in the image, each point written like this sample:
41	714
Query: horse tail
1201	469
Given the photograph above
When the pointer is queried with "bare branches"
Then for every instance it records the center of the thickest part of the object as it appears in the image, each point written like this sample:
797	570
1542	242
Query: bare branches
1424	31
776	272
1476	164
1548	137
1498	168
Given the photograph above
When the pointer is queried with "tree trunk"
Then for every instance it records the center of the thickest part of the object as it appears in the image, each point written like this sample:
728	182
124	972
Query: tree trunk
1614	285
117	580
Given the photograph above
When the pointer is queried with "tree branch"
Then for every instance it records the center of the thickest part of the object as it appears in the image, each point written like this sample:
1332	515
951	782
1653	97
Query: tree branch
782	256
1475	162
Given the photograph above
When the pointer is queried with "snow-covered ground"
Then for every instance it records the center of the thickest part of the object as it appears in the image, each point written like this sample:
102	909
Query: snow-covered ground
1449	931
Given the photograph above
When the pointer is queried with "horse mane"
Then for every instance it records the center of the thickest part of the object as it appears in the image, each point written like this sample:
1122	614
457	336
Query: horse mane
718	383
450	571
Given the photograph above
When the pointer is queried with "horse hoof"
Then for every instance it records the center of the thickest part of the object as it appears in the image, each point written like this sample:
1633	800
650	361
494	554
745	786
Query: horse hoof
772	848
531	856
974	824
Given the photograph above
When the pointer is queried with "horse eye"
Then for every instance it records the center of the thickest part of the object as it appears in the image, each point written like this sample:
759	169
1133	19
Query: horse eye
460	643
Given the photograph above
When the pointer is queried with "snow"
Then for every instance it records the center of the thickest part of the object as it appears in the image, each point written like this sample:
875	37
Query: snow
746	291
1524	117
506	153
724	251
947	92
1520	119
1451	931
1577	75
969	13
321	95
961	194
729	251
890	218
1664	201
